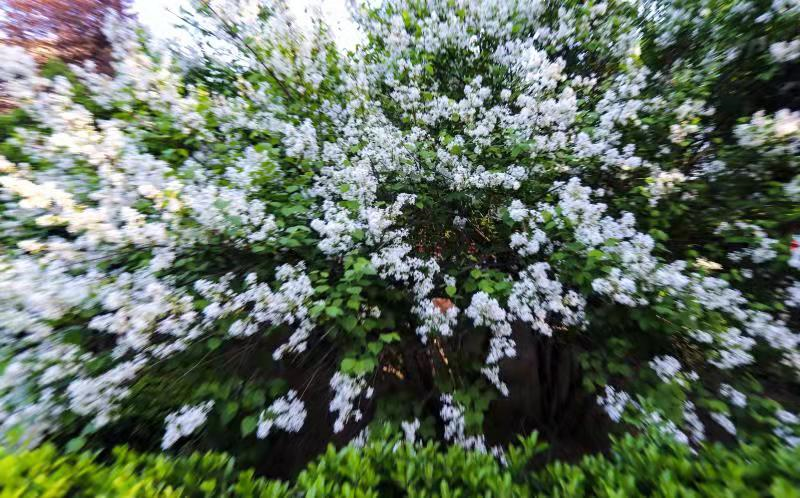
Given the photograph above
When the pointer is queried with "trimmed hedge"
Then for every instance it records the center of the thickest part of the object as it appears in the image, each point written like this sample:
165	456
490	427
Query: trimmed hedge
46	472
387	467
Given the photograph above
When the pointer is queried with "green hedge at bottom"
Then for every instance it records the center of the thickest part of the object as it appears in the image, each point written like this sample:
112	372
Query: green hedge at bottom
388	468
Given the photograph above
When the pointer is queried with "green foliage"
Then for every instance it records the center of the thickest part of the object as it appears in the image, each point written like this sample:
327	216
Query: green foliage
45	472
638	467
389	467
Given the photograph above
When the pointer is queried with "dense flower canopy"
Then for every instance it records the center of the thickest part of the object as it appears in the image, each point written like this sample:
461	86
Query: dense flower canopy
490	203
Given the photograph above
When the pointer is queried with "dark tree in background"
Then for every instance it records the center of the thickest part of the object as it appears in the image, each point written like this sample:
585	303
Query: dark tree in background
70	30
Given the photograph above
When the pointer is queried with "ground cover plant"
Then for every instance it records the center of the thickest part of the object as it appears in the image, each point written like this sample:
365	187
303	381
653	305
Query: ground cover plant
493	217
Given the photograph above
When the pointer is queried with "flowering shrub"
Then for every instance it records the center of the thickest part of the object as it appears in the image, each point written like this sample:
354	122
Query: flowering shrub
494	216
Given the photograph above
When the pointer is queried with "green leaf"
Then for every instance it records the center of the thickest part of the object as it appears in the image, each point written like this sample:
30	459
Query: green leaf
75	444
375	347
349	322
333	311
348	365
249	425
390	337
366	365
229	411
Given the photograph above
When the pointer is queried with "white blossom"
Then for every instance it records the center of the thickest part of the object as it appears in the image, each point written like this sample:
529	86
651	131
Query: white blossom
287	413
185	422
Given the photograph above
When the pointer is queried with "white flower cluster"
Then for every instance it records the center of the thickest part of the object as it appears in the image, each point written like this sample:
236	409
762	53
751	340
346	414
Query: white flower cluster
139	305
395	262
435	318
535	298
663	184
666	367
785	51
793	295
338	228
98	396
614	402
184	422
260	304
665	426
640	273
228	211
760	254
287	413
724	421
779	134
788	428
736	397
19	74
734	350
34	293
301	141
346	391
486	311
452	414
410	430
696	429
